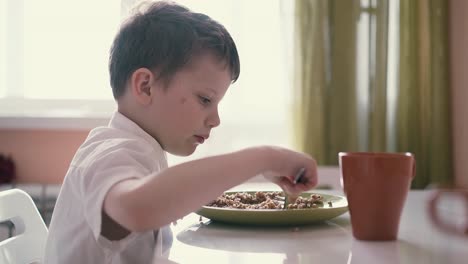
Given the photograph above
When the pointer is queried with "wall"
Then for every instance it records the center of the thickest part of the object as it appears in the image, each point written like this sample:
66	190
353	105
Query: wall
41	156
459	83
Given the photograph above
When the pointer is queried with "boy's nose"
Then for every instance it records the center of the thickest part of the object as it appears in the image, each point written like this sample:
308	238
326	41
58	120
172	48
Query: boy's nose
213	120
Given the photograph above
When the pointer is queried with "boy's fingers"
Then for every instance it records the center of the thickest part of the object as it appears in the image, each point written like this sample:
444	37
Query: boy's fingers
309	181
290	188
312	180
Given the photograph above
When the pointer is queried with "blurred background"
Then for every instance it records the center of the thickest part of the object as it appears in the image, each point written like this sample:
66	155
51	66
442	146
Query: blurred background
321	76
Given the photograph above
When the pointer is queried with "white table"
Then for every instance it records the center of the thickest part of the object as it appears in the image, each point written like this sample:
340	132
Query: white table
329	242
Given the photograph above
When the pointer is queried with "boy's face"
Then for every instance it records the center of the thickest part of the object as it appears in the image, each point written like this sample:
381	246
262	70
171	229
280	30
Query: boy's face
183	113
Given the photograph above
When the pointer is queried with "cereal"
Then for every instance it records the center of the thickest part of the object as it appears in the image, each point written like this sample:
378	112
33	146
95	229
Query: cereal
265	200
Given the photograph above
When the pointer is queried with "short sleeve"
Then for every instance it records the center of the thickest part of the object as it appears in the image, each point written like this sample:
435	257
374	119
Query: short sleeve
103	173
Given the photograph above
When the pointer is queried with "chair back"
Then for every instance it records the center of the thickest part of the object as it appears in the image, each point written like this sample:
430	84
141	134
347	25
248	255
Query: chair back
28	243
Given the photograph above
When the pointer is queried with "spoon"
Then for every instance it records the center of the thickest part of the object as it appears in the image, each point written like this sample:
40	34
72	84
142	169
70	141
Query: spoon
299	176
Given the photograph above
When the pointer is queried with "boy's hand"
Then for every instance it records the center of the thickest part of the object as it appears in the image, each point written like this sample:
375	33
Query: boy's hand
285	165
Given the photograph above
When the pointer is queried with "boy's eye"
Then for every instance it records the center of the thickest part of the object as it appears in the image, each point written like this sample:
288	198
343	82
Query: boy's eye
204	100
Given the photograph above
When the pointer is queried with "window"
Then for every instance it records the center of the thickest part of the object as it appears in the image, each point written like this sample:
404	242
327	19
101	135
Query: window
58	53
56	57
366	50
2	48
392	71
58	48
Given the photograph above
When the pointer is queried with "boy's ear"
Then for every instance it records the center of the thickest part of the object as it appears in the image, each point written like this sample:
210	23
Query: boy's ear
141	82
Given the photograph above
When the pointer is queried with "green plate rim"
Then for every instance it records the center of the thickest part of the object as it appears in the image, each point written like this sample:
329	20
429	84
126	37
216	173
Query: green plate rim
286	216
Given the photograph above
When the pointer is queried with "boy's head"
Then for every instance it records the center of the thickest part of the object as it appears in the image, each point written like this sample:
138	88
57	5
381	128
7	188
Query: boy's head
164	38
169	69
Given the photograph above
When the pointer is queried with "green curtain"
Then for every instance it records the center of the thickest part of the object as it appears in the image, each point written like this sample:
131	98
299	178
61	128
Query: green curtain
332	113
325	103
423	125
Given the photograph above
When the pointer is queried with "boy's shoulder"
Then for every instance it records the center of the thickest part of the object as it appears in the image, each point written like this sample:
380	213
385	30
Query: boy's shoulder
110	139
109	143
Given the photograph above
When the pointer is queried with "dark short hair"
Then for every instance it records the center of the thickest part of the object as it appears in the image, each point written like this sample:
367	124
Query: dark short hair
165	37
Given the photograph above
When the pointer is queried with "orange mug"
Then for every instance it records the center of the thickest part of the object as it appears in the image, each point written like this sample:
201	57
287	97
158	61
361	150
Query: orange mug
376	185
436	216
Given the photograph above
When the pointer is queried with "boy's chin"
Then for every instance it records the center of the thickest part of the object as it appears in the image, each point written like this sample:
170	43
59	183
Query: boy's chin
182	152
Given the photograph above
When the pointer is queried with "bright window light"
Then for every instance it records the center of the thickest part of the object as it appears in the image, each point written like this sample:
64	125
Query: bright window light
57	56
66	47
2	47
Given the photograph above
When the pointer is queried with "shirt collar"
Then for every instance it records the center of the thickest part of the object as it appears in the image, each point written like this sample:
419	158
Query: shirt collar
121	122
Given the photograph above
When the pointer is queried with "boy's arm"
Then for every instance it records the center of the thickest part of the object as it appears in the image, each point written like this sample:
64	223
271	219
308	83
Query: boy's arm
152	202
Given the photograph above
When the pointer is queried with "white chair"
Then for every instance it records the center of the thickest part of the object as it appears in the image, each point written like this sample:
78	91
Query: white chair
28	243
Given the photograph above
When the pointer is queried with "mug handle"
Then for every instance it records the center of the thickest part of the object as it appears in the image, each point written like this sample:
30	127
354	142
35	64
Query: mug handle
435	216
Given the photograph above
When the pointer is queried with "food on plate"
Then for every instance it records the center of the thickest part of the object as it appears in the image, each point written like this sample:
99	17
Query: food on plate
265	200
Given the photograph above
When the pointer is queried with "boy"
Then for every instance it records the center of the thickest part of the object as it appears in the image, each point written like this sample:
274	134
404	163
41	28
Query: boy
169	69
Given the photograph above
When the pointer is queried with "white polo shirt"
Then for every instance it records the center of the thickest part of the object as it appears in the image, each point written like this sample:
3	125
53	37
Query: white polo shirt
122	150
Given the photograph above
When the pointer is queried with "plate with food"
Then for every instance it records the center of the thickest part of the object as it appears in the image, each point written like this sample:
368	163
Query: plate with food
267	208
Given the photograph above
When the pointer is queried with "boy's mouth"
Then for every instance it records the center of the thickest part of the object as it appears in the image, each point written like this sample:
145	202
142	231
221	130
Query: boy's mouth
200	139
